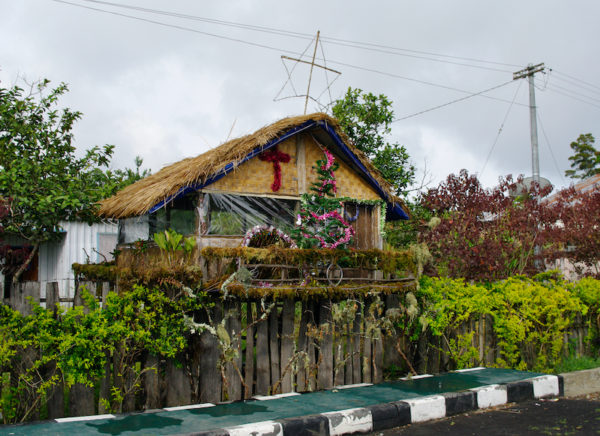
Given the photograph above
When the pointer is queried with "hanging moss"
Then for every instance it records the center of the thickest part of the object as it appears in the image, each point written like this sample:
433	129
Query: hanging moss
332	292
102	272
390	262
163	276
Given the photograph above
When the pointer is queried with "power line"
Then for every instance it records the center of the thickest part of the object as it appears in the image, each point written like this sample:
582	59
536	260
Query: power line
330	40
575	78
437	85
574	92
480	93
575	83
500	129
573	97
337	41
550	148
175	26
268	47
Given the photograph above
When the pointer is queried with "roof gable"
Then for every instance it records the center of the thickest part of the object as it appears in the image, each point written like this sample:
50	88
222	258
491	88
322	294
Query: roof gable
191	174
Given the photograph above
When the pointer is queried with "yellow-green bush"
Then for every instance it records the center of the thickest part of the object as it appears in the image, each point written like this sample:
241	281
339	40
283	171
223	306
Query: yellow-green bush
530	317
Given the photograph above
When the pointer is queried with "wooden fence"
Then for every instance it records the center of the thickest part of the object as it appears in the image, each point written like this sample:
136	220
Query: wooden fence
273	347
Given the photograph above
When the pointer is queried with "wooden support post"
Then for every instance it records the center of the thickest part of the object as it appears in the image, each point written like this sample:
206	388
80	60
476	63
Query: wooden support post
348	373
263	373
378	358
105	385
210	375
390	339
249	364
287	344
233	324
325	370
81	397
356	342
340	364
274	347
179	391
367	344
152	383
55	403
21	295
302	376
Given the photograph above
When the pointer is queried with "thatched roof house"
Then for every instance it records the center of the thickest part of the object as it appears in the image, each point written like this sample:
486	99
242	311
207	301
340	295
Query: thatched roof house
219	194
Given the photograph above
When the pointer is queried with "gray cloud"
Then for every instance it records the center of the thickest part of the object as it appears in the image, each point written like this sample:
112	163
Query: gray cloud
166	94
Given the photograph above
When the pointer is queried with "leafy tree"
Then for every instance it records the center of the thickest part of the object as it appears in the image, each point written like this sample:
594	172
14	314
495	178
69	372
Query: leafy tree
366	119
585	160
42	179
112	181
485	234
579	215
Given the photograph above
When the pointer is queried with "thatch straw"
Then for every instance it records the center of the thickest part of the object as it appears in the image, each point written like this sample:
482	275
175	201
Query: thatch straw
138	198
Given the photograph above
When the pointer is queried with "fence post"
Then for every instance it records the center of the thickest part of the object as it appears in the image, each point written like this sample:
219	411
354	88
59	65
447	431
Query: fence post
274	346
19	296
210	376
249	367
233	324
287	344
81	397
263	379
325	369
55	402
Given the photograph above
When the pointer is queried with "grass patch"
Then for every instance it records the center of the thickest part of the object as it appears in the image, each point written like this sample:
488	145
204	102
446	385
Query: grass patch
572	363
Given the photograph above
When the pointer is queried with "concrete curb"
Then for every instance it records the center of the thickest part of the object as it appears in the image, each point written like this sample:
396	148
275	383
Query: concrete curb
582	382
386	415
395	414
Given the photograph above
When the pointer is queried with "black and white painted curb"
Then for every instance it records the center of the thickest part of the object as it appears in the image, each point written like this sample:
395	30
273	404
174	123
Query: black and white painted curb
395	414
381	416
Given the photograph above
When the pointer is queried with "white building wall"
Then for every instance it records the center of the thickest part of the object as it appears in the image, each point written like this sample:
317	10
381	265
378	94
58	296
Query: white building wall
79	245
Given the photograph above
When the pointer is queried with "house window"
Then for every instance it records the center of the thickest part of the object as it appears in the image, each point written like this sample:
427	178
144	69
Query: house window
234	215
179	215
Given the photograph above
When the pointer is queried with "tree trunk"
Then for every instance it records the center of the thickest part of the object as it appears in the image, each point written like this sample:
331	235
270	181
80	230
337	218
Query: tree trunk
23	267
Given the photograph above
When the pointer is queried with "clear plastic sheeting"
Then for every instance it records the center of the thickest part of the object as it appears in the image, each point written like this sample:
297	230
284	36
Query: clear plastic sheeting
236	214
179	215
134	229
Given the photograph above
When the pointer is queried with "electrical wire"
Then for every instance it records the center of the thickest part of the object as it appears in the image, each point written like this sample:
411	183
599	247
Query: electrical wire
475	94
175	26
272	48
575	83
576	79
573	92
337	41
574	98
500	129
549	147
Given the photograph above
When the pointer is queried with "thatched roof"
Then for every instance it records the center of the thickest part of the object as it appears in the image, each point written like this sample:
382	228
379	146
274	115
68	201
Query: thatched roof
196	172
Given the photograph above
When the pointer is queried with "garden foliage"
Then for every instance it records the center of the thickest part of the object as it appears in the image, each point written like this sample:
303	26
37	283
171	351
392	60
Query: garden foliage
530	317
43	350
491	234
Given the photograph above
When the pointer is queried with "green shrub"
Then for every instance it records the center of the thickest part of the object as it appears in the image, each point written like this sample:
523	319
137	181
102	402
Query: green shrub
530	317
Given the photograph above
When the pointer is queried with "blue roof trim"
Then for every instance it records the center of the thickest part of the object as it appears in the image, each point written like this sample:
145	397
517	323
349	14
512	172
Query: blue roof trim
393	211
230	167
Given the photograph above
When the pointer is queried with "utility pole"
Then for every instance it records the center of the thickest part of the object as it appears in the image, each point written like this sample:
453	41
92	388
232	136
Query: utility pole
529	72
312	65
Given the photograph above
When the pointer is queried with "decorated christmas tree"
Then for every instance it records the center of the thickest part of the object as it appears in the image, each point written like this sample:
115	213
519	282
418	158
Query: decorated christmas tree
319	223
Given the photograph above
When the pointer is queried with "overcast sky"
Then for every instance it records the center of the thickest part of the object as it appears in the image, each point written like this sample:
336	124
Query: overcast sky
172	85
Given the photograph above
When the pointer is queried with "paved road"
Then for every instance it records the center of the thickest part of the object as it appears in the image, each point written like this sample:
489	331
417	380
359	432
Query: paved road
563	416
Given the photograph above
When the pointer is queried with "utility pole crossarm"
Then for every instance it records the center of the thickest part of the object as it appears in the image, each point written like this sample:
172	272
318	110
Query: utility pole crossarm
529	71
